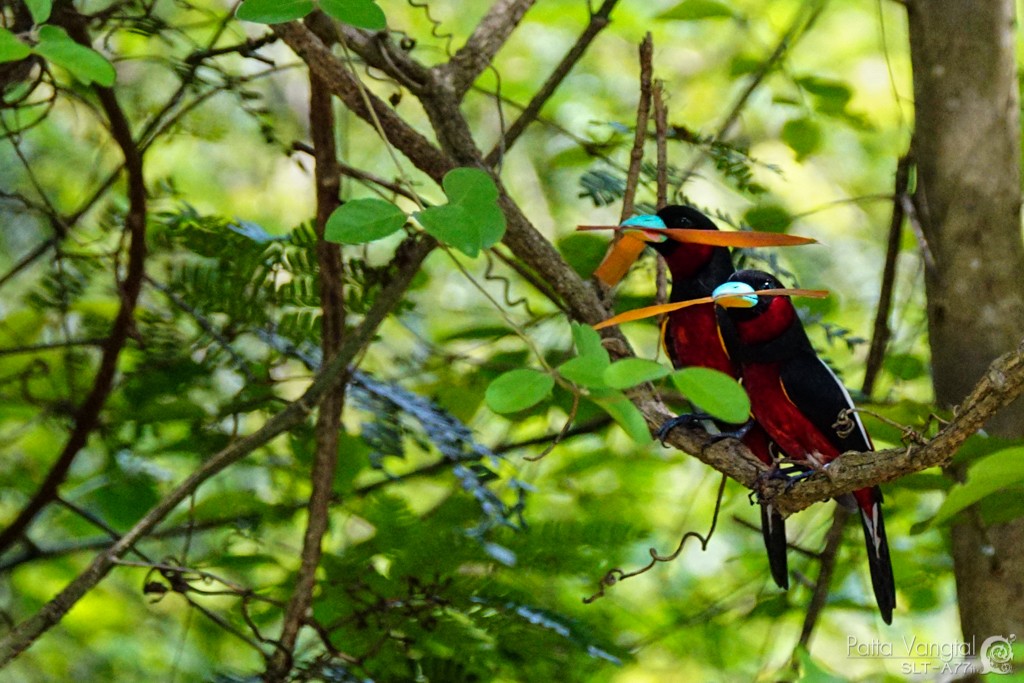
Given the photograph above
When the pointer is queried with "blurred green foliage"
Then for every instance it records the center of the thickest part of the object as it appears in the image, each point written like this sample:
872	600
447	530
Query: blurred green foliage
450	557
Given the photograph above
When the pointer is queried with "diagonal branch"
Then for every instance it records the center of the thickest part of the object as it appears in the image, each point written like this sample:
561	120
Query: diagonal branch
598	20
342	84
476	55
1001	384
406	264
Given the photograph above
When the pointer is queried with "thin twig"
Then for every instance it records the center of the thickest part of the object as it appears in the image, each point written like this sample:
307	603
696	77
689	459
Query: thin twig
797	29
598	20
487	38
616	575
87	414
833	540
881	333
406	264
643	114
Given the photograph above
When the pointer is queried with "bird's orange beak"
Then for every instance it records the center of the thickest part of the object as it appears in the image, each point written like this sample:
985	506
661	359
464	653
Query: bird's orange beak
634	238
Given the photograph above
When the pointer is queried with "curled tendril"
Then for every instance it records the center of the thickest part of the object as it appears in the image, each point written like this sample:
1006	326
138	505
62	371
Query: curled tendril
615	575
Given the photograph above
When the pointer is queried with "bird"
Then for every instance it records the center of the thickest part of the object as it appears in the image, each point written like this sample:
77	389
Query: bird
800	403
696	336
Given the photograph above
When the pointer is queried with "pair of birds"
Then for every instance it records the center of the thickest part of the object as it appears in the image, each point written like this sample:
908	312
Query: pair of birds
797	402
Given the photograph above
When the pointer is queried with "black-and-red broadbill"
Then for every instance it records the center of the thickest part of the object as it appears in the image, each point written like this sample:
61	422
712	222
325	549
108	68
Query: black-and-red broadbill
693	336
800	402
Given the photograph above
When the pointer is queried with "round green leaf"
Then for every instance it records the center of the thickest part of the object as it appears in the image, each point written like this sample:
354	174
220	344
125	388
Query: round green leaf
84	63
518	389
274	11
363	220
12	49
629	372
714	392
802	135
39	9
469	186
472	219
586	371
768	217
359	13
582	251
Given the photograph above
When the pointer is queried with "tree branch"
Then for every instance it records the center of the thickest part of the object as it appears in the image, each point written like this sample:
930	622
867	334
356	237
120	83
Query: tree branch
87	414
328	423
406	264
478	52
1001	384
598	20
342	84
881	333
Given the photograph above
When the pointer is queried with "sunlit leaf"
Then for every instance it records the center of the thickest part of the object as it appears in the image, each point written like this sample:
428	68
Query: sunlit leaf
588	341
814	671
989	474
274	11
359	13
693	10
12	49
518	389
363	220
714	392
629	372
39	9
586	371
84	63
627	415
471	220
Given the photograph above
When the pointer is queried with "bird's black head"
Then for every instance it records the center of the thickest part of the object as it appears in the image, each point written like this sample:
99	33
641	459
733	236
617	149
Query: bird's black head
686	260
758	318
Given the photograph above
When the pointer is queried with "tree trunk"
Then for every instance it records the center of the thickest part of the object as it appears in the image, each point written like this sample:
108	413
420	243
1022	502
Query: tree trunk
967	150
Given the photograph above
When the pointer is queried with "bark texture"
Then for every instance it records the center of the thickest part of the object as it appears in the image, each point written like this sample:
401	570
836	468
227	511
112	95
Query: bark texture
967	147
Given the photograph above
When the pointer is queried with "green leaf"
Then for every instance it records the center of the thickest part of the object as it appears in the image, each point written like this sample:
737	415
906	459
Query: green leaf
714	392
768	218
586	371
986	476
814	672
627	415
629	372
274	11
905	366
84	63
363	220
12	49
40	9
359	13
582	251
588	341
471	220
832	96
802	135
695	10
518	389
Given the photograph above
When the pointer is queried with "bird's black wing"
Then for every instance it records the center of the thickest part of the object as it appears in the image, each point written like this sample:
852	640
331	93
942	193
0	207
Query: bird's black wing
817	392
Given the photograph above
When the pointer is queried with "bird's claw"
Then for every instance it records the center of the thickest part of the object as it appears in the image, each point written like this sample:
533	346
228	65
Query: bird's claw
684	420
